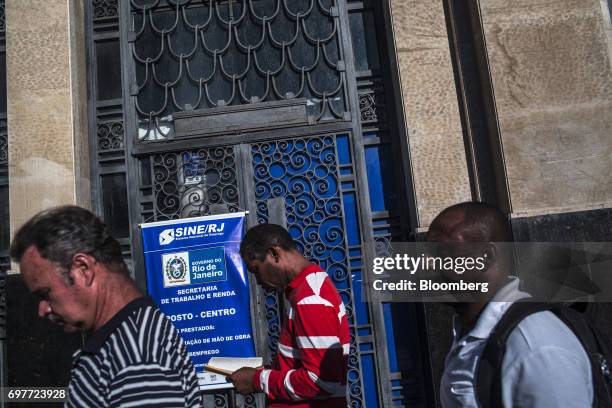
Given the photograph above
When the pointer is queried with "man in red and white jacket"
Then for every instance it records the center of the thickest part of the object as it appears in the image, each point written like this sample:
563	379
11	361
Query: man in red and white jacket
310	367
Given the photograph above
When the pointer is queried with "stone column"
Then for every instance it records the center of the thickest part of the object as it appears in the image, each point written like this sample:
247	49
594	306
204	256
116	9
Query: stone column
550	66
435	135
47	106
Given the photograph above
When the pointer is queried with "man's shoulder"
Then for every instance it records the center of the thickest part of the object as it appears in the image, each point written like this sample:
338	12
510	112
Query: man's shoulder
545	365
316	283
145	314
144	328
542	332
147	321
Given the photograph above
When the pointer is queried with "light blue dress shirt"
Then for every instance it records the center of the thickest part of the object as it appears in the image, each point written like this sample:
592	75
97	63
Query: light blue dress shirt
544	366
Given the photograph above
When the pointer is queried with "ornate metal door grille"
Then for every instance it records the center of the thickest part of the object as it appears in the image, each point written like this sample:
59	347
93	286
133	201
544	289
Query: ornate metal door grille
192	183
209	53
306	174
180	57
315	177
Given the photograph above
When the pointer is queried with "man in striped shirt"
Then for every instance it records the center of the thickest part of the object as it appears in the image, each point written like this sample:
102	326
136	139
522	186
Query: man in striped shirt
133	357
310	367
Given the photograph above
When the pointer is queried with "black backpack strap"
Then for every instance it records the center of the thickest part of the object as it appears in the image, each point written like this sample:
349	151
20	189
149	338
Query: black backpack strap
488	373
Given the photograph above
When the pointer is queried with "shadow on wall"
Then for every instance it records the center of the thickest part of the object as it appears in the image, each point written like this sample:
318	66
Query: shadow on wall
39	353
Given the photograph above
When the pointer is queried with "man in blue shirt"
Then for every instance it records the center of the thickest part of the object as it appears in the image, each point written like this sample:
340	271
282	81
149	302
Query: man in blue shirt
544	365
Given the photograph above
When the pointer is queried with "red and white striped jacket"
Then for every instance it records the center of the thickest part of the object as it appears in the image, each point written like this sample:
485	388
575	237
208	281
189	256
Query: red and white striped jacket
310	367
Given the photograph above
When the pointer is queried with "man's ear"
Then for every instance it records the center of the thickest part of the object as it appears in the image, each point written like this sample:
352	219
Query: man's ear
275	253
489	254
83	268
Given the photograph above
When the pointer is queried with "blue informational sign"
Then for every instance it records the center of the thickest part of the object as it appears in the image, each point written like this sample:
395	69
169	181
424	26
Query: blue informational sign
197	278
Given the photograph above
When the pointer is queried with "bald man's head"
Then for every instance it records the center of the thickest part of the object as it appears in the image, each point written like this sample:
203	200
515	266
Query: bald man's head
486	227
470	222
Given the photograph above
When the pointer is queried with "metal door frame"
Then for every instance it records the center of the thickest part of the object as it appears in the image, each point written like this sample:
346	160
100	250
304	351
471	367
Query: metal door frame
377	319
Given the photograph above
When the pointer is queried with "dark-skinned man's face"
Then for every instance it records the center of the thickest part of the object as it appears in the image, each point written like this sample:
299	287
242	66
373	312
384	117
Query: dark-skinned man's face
270	273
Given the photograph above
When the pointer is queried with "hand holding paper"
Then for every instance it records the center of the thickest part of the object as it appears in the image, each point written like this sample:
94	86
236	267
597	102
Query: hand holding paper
243	380
239	371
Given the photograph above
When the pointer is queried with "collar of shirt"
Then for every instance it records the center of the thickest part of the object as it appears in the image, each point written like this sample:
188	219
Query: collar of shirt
295	282
97	338
491	314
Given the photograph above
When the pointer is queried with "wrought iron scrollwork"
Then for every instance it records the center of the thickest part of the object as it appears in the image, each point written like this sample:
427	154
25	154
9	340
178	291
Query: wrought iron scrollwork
304	172
355	392
2	18
3	147
110	136
383	248
188	183
208	53
3	142
221	400
2	302
105	8
367	107
273	317
250	401
245	401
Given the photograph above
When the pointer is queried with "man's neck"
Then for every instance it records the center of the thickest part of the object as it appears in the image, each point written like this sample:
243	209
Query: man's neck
114	297
299	263
469	312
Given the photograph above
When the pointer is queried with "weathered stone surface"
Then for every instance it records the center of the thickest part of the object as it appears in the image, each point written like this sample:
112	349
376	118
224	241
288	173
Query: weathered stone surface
438	162
47	117
551	72
431	108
